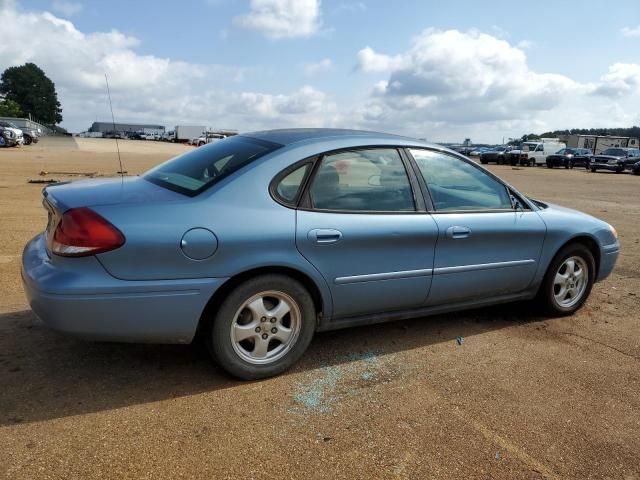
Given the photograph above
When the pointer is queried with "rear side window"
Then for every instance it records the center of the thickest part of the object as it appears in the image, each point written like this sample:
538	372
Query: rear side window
457	185
362	180
288	189
199	169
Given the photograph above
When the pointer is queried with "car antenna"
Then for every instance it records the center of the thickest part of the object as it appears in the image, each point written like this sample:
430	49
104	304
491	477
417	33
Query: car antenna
113	120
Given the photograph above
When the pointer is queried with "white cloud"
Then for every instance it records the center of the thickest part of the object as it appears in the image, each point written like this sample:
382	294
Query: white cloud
66	8
283	18
631	31
455	84
621	79
370	61
314	68
145	87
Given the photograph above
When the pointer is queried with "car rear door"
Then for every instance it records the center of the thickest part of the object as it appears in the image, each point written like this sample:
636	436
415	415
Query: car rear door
362	226
485	247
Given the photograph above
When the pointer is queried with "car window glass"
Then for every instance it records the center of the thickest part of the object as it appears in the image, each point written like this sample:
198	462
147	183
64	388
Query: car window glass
457	185
362	180
289	187
197	170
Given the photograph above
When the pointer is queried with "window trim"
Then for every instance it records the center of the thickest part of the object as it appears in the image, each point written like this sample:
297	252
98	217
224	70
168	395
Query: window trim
305	203
429	199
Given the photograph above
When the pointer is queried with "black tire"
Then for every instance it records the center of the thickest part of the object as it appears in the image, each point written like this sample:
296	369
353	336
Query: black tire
483	161
218	335
546	298
636	171
549	164
593	170
27	140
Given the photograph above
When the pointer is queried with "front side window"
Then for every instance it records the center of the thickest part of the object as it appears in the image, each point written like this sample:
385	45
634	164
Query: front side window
362	180
457	185
197	170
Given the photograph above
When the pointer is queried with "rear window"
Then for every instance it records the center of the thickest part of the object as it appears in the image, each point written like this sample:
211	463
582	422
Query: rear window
199	169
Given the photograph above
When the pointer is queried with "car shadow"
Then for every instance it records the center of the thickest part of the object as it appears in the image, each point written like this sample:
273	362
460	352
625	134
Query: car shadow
45	375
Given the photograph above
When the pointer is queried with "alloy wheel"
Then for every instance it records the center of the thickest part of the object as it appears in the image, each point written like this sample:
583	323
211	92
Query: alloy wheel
265	327
570	282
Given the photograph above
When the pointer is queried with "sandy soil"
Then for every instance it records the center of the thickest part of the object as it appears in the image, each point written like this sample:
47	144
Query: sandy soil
523	397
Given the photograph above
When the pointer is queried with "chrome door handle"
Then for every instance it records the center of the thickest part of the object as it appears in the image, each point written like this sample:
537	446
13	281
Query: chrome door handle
458	232
324	235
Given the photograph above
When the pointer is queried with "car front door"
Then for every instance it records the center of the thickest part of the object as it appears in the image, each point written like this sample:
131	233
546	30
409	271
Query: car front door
485	248
361	225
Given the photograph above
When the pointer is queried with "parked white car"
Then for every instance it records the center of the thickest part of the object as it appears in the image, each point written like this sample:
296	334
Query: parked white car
11	134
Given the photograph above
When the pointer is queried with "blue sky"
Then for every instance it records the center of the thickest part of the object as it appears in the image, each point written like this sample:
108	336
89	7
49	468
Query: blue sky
444	71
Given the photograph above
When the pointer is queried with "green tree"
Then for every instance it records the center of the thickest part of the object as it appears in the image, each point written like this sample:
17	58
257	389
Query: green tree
9	108
33	91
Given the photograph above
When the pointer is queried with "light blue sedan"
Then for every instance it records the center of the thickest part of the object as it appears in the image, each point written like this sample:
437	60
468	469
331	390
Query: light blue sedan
259	240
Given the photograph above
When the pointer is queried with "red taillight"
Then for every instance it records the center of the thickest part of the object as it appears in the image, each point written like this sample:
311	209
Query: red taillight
82	232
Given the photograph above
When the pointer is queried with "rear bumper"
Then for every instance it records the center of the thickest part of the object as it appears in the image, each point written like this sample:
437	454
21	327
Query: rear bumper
78	297
608	258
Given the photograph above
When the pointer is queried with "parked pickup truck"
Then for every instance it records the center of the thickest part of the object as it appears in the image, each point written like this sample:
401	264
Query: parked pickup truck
615	159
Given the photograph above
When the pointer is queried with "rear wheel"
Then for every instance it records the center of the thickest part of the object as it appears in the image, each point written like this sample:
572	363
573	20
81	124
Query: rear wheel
593	169
568	281
27	140
263	327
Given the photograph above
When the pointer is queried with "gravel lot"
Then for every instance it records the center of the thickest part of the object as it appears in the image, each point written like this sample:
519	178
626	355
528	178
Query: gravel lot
523	397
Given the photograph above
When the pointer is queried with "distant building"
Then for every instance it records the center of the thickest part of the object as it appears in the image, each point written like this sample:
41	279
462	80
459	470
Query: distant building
103	127
599	143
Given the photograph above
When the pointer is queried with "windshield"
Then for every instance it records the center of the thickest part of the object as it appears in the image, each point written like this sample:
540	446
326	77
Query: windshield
616	152
8	124
197	170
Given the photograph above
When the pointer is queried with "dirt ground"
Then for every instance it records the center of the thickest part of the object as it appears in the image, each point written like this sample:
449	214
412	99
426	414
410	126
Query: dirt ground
522	397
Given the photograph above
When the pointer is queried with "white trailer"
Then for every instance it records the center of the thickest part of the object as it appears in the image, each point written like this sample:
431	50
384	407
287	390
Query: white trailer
599	143
186	133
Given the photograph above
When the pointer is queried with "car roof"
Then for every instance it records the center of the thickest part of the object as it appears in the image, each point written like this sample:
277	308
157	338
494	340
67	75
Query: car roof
294	135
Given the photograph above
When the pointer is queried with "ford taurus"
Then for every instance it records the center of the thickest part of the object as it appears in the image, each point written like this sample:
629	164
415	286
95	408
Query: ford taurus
257	241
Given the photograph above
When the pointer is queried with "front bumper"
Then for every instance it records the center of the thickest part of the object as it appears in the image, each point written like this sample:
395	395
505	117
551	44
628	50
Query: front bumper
608	257
613	167
77	296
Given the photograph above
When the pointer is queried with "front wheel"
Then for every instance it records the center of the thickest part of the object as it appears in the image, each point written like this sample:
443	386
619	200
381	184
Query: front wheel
263	327
593	170
27	140
568	281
